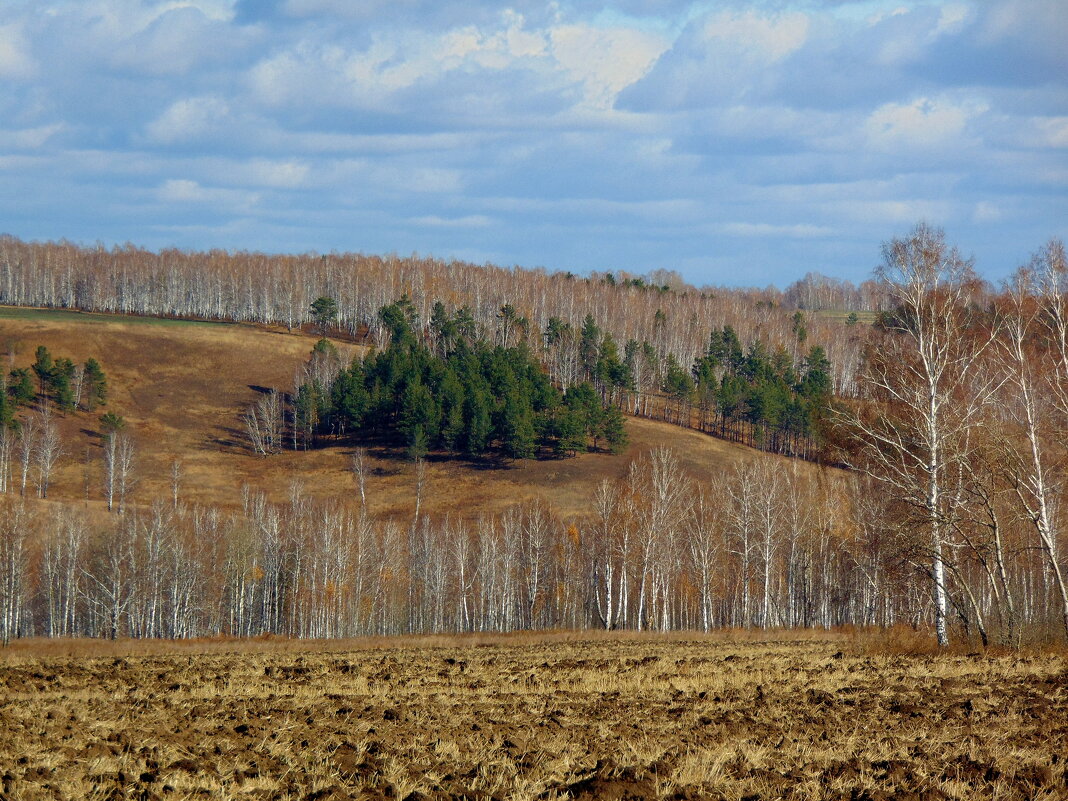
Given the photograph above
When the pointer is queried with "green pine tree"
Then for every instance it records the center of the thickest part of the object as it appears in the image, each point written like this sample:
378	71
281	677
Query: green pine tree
324	312
517	434
349	397
479	423
43	366
21	386
419	413
451	393
7	409
571	431
417	444
111	423
96	385
614	430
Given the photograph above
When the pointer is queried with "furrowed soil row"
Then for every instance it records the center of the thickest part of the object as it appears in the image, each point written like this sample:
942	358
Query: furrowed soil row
624	719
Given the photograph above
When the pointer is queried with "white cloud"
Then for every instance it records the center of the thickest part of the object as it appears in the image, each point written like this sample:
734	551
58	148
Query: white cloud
923	123
893	211
359	177
772	37
15	59
986	212
721	58
188	119
279	174
179	39
260	173
1055	131
605	60
757	122
29	138
599	61
953	17
183	190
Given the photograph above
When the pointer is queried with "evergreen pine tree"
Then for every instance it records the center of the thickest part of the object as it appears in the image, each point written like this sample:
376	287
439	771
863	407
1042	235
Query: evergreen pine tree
452	410
42	366
479	423
589	346
21	386
571	431
419	414
111	423
60	384
517	426
349	397
614	430
7	409
96	385
417	444
324	312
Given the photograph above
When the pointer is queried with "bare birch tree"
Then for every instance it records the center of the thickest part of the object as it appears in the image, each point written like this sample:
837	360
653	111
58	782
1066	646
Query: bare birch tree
263	423
47	453
125	453
7	447
1037	390
26	445
61	557
923	373
176	480
15	521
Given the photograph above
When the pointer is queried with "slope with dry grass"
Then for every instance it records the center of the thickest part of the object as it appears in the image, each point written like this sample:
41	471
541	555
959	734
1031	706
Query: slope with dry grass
602	717
182	387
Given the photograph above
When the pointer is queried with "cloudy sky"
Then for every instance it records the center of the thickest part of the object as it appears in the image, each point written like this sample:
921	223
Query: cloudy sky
736	143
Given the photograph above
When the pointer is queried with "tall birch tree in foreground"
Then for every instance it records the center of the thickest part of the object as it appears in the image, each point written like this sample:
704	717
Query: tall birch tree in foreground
924	380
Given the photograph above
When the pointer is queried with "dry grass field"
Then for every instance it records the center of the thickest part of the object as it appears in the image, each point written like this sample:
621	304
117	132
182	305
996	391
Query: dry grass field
565	716
182	387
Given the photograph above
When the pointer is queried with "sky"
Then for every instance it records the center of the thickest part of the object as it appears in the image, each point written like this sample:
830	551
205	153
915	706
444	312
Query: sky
737	143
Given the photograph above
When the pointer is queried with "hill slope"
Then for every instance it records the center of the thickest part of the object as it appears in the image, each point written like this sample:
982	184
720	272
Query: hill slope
182	387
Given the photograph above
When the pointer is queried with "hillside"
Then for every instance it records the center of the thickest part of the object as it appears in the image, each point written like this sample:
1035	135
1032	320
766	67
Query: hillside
182	387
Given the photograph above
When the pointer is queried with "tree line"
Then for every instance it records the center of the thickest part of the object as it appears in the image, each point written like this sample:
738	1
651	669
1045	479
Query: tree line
657	550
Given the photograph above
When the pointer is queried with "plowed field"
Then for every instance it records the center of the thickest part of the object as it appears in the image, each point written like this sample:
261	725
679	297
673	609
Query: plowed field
608	718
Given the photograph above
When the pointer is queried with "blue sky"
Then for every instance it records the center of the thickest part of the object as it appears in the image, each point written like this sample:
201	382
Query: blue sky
740	144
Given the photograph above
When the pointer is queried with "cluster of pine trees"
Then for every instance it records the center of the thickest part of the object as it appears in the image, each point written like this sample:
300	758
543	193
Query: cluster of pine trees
757	396
767	398
449	389
57	379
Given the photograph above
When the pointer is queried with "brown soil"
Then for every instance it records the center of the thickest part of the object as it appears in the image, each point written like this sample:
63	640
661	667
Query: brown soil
601	717
183	386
